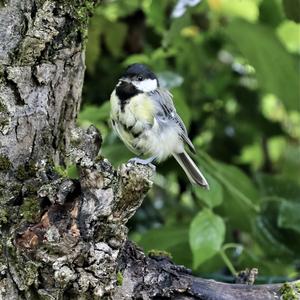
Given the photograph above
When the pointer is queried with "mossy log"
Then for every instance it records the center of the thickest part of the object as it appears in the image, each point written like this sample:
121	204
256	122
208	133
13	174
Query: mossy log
64	238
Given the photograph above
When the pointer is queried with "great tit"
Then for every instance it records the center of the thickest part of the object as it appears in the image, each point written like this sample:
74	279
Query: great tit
144	117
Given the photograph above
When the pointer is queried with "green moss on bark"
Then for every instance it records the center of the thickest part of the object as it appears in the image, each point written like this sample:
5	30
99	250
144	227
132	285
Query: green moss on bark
26	171
159	253
10	199
31	189
119	278
81	11
24	269
5	163
290	291
3	216
3	212
2	107
3	123
30	209
84	10
76	14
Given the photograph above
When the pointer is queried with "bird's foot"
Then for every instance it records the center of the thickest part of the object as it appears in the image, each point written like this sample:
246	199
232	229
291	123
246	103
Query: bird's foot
148	161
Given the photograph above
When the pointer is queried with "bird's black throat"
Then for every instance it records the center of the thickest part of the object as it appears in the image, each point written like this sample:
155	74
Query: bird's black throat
125	91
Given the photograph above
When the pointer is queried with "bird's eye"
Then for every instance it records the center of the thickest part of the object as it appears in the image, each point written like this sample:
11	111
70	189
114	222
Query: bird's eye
140	78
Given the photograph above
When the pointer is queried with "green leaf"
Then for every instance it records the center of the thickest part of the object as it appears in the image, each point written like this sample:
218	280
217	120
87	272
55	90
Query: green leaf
288	33
270	238
206	236
114	10
171	239
276	241
279	186
289	215
94	114
240	196
275	68
136	58
93	48
270	12
181	105
238	184
156	15
115	34
116	152
291	162
182	254
172	36
252	155
292	9
212	197
246	9
163	238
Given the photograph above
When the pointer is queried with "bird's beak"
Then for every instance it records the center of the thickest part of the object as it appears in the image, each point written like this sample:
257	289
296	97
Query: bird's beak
125	80
125	84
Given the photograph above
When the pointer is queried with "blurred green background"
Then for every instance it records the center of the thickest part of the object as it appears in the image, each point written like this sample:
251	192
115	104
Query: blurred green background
233	68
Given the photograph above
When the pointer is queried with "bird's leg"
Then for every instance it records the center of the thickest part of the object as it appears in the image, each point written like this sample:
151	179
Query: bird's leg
148	161
141	161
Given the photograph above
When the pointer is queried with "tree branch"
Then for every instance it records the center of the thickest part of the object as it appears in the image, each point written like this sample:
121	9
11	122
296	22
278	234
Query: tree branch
159	278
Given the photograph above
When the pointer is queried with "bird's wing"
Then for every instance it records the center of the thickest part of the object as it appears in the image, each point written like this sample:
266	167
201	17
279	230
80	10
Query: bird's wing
165	110
126	137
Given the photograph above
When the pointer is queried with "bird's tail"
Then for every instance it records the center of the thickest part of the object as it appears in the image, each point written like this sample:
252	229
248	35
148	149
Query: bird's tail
190	169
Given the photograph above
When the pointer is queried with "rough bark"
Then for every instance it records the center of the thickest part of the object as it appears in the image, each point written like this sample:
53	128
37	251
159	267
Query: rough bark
42	71
157	277
64	238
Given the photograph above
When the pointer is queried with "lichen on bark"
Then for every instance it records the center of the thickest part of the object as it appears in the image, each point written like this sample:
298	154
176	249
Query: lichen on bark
41	67
5	164
67	234
42	71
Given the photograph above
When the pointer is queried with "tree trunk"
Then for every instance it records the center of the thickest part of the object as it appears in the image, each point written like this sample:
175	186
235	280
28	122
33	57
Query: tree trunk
64	238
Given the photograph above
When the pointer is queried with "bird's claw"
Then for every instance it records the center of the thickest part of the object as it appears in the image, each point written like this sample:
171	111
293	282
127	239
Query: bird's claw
140	161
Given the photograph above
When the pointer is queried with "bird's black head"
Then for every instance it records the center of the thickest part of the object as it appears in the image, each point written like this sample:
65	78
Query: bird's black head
140	77
139	72
136	79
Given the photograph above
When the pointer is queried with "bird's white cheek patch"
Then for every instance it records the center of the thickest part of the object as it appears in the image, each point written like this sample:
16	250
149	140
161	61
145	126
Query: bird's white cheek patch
146	85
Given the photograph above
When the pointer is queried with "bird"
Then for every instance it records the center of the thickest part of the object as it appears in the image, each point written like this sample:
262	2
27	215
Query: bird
144	117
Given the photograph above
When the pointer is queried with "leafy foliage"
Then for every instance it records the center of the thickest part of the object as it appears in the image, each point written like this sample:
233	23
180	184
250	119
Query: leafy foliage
206	236
232	68
276	69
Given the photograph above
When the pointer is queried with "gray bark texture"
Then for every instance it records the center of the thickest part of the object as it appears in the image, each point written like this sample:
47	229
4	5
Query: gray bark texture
64	238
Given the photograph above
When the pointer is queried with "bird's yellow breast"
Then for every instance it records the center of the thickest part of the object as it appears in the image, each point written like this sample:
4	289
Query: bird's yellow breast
142	107
139	107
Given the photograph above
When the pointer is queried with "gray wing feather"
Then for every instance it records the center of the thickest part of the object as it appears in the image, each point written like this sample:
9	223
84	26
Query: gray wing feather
165	110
